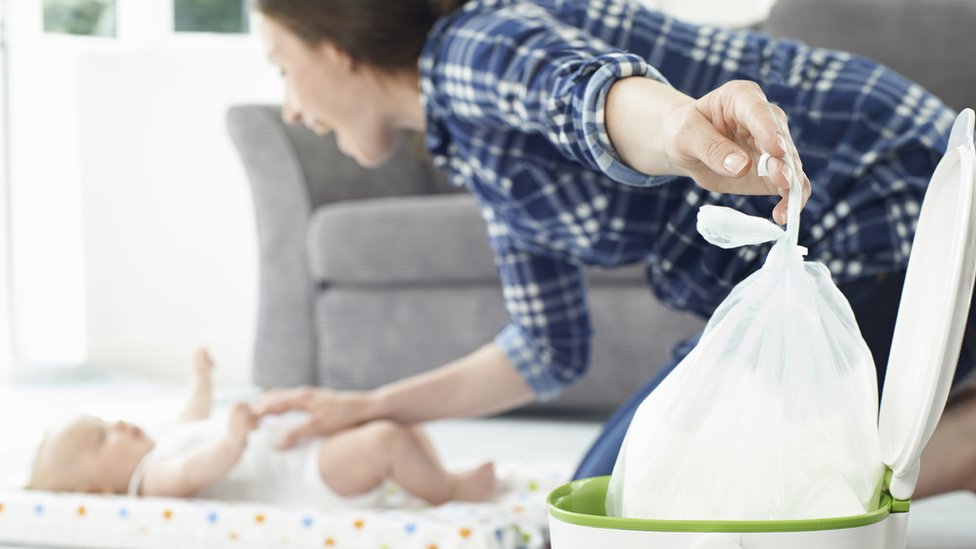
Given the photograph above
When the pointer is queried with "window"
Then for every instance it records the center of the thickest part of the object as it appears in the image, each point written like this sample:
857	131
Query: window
84	17
223	16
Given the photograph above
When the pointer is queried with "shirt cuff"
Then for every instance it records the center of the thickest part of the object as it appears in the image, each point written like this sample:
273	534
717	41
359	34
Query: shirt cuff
613	67
530	362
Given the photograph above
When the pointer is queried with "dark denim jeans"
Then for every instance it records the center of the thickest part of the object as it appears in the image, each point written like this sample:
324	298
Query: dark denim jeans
875	304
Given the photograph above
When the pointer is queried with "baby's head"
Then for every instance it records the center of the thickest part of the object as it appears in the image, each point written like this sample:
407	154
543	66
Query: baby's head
89	455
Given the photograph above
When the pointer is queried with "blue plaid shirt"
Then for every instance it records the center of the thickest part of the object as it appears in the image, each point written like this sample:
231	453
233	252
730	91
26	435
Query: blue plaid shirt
514	93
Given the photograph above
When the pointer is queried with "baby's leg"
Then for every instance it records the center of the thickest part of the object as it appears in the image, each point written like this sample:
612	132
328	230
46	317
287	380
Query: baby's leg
474	485
357	460
426	444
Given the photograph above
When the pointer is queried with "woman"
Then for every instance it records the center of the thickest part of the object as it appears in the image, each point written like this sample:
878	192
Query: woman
574	124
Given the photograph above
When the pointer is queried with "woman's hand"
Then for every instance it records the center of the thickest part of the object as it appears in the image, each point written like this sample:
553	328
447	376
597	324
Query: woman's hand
480	383
716	140
328	410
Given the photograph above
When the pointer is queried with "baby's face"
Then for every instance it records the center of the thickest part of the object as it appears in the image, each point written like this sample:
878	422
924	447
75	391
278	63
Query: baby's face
107	453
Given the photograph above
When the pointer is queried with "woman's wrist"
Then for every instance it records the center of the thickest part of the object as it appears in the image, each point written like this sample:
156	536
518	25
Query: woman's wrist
640	117
482	382
374	404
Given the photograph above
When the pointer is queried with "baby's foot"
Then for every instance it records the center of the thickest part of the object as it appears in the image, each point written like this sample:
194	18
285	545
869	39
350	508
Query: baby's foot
475	485
202	363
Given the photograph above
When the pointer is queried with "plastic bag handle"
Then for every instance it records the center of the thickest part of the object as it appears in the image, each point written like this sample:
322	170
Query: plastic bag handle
795	198
730	228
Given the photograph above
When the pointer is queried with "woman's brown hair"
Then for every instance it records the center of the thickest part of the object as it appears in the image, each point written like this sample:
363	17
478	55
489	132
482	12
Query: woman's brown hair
384	34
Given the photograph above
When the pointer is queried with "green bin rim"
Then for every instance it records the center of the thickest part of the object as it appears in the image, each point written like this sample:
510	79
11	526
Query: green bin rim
597	487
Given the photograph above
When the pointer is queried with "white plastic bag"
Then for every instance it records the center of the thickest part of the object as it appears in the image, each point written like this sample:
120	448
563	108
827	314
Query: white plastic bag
773	415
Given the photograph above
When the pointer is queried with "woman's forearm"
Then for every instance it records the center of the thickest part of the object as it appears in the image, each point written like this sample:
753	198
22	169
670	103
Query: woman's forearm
638	111
480	383
715	140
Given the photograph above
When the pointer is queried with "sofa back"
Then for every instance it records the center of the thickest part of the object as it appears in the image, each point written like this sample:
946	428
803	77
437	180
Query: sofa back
928	41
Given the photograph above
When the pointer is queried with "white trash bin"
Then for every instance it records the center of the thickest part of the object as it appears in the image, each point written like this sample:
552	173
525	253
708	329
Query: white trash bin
928	336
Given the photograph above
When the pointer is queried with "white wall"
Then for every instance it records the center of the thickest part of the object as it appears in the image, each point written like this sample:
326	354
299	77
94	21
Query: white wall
168	220
46	242
133	237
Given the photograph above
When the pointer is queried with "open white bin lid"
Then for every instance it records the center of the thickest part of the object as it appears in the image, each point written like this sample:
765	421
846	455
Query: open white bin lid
933	311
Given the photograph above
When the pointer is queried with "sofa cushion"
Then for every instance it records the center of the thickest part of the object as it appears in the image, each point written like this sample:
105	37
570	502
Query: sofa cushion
438	239
929	41
370	336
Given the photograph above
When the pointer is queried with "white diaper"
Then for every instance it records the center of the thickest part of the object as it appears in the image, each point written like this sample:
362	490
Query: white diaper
263	474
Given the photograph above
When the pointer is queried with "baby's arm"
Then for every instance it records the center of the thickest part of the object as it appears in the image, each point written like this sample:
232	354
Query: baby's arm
201	389
186	475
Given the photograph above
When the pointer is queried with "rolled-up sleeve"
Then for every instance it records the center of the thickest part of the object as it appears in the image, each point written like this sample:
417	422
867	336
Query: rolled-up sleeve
521	67
548	337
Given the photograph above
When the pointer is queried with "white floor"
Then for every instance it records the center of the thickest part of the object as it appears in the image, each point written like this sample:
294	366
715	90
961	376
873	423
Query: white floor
945	522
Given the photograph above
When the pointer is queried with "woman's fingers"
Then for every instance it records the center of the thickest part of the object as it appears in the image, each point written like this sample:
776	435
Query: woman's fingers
780	211
737	117
279	401
787	145
742	104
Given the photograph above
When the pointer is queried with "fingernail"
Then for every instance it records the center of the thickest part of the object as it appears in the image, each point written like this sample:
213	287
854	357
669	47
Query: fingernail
735	162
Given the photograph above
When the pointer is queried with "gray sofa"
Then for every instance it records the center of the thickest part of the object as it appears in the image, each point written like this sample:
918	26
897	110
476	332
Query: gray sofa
368	276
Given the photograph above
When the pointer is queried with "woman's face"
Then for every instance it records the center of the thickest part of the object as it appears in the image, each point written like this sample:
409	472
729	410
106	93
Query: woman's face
327	91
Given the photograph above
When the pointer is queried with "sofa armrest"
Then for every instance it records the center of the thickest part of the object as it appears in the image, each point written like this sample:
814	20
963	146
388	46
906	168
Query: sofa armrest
284	353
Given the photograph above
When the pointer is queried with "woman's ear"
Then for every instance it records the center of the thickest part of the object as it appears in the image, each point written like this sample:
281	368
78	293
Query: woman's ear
335	56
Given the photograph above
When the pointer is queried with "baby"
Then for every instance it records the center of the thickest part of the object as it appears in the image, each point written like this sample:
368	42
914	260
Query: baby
237	459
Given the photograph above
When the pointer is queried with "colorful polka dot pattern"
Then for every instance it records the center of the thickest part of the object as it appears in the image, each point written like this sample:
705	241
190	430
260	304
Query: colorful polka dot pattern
516	519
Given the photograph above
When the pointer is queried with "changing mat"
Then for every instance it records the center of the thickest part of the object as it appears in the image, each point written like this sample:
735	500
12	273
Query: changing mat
515	518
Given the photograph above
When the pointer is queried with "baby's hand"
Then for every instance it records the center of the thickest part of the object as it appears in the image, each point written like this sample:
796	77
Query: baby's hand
202	364
242	421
